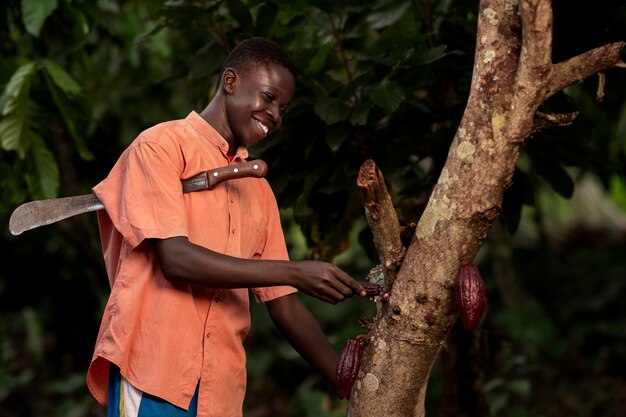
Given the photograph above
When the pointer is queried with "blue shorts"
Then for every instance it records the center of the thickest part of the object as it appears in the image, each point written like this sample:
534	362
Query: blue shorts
127	401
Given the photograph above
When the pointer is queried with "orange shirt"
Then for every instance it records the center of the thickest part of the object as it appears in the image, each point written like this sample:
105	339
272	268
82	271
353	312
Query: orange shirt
165	337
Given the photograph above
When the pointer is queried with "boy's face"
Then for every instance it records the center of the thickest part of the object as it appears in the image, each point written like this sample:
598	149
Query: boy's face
257	101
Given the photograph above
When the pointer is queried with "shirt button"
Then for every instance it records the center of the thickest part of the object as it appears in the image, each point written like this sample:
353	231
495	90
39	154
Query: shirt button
233	230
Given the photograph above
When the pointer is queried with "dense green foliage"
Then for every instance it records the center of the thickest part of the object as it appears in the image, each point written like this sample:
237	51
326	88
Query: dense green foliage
383	80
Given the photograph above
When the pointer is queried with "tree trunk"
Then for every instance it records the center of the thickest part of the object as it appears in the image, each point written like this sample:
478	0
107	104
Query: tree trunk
513	74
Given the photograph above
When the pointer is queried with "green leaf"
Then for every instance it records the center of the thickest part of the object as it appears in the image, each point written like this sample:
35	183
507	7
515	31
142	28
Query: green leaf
79	20
331	110
15	111
61	78
359	114
35	13
12	130
17	87
67	114
336	135
316	64
387	95
432	55
241	14
397	40
520	386
383	18
617	191
43	179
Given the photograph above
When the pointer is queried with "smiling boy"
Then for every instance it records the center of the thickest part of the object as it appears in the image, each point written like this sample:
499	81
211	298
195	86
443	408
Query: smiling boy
180	265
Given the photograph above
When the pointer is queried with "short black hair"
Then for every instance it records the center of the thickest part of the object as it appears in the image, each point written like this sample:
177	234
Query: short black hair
256	51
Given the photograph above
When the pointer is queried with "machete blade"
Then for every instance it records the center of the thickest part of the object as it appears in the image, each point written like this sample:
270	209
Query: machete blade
42	212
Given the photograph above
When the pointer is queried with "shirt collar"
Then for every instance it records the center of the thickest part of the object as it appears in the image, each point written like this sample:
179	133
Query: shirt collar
209	133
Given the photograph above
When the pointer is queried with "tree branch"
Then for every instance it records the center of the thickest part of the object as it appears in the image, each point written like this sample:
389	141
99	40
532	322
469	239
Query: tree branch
382	219
497	50
536	54
543	121
537	29
585	65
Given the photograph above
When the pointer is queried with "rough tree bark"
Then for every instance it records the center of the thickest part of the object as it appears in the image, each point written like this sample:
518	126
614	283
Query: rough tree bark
512	76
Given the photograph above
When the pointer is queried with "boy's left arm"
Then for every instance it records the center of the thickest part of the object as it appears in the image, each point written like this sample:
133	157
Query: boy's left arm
296	323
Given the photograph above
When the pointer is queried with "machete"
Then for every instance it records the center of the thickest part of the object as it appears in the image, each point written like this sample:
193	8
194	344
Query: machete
42	212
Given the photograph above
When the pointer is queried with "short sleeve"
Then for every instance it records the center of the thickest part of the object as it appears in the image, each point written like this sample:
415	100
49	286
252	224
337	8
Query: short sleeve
143	194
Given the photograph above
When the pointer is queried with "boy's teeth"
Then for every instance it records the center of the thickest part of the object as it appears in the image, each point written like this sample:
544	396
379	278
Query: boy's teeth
265	129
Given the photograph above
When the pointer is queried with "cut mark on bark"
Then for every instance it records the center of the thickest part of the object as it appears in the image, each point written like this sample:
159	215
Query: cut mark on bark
422	342
370	382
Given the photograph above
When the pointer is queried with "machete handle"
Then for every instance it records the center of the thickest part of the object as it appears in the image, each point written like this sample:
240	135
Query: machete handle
212	178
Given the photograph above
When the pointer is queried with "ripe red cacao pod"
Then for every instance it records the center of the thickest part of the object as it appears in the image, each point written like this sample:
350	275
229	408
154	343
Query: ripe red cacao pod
469	295
348	366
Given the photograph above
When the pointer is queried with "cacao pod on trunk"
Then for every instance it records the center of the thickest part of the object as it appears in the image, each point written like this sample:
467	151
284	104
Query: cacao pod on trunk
348	366
469	295
370	288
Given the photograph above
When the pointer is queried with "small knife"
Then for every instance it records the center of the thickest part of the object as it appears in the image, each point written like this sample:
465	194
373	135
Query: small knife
42	212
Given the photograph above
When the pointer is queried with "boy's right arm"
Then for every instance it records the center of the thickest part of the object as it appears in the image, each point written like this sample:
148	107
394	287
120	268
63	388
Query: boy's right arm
185	262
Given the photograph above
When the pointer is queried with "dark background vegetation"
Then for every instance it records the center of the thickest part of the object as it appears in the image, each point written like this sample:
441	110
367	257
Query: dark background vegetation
384	80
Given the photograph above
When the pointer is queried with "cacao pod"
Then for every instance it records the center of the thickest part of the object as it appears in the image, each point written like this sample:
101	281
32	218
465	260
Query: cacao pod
348	366
469	295
370	288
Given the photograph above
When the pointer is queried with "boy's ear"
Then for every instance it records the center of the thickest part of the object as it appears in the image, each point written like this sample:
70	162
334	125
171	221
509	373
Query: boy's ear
229	77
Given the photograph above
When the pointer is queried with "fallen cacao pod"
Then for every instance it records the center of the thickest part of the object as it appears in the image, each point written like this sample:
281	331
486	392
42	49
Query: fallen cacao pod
348	366
469	295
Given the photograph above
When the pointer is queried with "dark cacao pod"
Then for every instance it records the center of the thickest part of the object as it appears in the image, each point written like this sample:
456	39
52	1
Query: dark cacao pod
469	295
370	288
348	366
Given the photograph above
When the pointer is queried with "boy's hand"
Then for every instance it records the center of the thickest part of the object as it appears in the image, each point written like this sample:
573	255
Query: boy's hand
375	292
326	281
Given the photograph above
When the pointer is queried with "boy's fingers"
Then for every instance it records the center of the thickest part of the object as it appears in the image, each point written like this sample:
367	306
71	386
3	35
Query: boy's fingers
371	289
335	294
348	285
355	286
